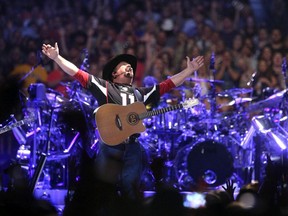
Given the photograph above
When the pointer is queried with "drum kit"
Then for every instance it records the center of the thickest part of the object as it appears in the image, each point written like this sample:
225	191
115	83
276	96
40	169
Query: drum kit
199	146
204	149
48	131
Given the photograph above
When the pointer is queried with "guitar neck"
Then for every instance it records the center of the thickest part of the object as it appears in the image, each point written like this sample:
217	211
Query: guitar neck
16	124
160	111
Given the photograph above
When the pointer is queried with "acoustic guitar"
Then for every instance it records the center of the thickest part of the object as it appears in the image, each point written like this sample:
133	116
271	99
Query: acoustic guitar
116	123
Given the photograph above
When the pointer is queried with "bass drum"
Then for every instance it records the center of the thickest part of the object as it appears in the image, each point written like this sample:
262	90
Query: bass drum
206	163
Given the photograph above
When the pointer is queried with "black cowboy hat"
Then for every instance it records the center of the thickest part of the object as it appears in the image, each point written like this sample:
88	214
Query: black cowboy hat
112	63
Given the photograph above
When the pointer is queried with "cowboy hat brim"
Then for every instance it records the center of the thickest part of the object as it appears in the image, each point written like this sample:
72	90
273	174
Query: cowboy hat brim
112	63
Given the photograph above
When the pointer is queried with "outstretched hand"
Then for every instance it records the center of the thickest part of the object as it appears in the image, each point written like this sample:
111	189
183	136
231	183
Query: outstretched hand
195	64
50	51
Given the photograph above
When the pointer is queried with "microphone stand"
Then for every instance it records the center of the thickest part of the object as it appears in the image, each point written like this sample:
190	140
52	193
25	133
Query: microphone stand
213	86
251	84
40	62
284	68
284	102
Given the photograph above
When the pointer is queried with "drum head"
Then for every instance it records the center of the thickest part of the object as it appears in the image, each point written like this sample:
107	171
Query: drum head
209	163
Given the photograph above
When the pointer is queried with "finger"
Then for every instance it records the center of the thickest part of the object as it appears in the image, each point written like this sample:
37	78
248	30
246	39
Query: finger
200	59
200	64
56	45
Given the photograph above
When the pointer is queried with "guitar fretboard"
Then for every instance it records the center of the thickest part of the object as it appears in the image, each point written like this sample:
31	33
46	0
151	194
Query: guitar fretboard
160	111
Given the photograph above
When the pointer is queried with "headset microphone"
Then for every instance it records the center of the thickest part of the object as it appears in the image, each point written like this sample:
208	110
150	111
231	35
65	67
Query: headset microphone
128	74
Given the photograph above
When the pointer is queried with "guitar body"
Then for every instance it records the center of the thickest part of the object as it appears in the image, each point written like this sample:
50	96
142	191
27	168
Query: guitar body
116	123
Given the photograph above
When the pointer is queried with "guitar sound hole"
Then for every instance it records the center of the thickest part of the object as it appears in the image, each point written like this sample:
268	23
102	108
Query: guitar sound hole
132	118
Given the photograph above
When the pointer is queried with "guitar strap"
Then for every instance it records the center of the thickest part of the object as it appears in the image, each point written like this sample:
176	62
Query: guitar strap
106	92
138	95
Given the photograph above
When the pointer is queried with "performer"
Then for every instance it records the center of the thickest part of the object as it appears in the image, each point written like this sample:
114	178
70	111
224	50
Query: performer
121	164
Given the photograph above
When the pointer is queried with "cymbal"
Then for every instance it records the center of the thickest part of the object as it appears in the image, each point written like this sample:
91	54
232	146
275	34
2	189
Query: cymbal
205	80
235	91
84	97
70	84
56	100
239	101
271	102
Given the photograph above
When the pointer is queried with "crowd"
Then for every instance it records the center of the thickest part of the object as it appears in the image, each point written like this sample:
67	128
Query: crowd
159	33
245	38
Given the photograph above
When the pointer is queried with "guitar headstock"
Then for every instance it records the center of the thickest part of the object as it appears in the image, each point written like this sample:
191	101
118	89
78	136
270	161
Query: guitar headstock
191	102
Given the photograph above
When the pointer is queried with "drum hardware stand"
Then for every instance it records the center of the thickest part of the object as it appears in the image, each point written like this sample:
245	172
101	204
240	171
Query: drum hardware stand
213	85
284	102
284	107
55	156
38	102
168	175
39	93
48	144
276	142
89	130
37	172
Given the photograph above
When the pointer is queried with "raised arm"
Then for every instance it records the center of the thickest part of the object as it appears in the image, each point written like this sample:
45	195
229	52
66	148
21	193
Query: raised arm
192	66
53	53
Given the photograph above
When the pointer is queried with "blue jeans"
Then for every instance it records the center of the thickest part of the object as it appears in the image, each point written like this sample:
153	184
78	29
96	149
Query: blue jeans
121	165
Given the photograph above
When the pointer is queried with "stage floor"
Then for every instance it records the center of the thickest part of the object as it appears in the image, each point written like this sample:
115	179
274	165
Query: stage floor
57	197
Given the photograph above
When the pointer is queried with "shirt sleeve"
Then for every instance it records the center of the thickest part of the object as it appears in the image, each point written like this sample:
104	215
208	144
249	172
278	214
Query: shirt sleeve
82	77
166	86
